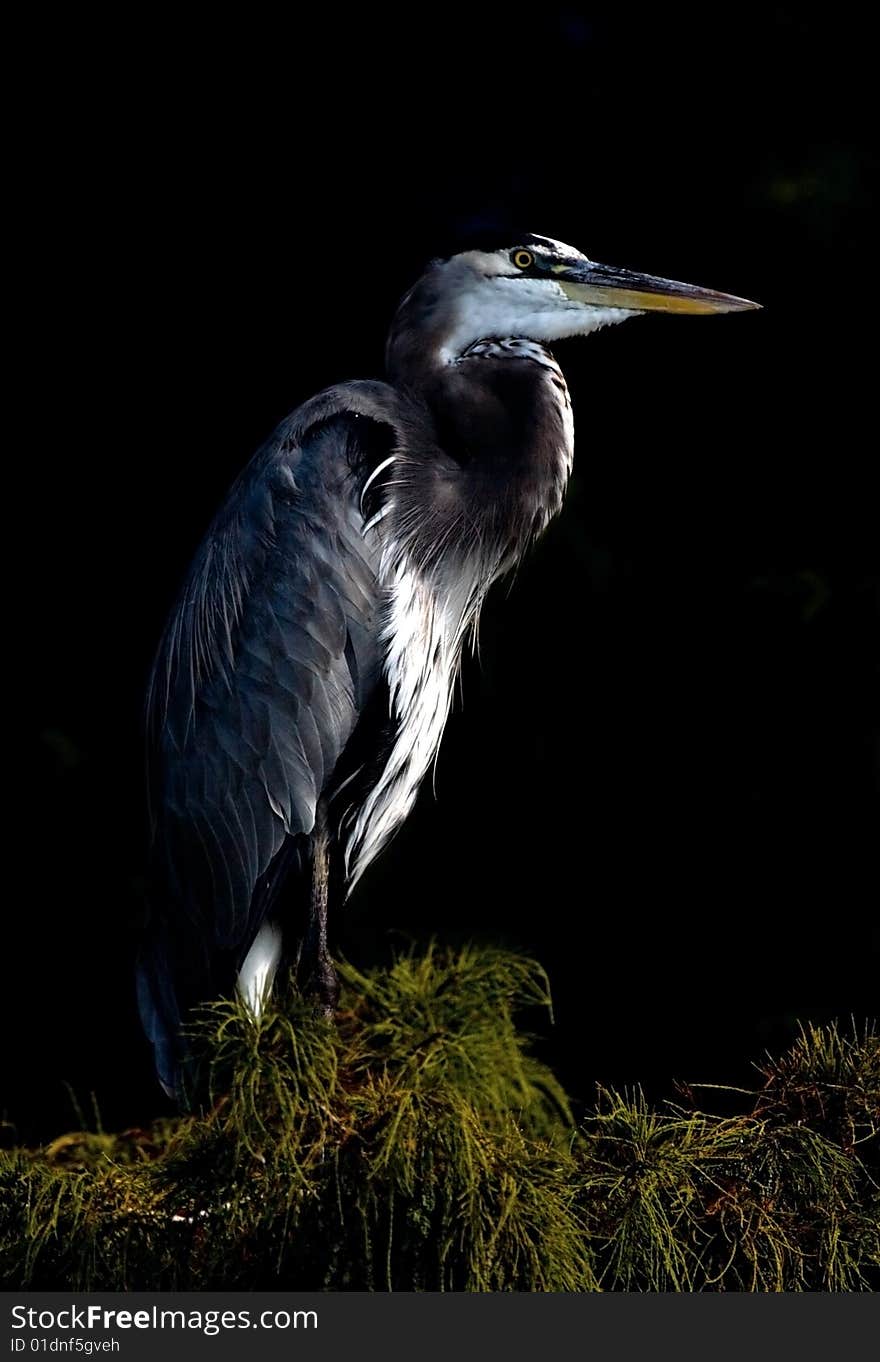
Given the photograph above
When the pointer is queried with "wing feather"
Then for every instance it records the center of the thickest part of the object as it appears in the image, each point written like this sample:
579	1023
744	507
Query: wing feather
268	660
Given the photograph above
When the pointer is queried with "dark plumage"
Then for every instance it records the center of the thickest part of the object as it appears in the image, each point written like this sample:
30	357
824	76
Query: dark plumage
303	681
268	661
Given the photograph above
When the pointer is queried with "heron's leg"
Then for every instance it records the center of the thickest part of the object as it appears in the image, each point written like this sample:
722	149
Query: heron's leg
321	978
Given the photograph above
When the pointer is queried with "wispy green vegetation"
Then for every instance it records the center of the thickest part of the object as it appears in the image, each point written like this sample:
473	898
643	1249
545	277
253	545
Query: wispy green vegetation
420	1145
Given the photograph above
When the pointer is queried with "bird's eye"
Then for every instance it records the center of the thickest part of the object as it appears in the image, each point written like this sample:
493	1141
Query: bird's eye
523	259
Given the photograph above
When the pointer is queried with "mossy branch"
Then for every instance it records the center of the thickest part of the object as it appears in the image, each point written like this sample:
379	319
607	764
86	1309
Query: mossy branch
420	1145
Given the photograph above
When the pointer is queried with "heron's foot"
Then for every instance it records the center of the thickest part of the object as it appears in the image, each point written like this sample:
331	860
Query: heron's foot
322	985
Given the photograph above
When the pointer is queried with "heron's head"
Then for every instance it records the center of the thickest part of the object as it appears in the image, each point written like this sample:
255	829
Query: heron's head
538	289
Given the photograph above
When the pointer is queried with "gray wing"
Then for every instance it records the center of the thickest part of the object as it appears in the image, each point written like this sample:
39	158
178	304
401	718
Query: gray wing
266	665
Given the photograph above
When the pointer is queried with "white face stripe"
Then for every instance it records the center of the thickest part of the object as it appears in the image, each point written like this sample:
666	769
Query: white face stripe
501	306
500	264
557	247
483	295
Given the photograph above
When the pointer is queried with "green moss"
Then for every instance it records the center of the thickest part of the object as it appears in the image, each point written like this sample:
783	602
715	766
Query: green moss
690	1202
419	1145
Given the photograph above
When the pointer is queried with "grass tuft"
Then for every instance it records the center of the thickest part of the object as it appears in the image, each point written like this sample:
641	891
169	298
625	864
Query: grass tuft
419	1145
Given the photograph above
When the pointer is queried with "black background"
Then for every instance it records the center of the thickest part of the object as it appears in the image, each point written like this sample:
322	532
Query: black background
663	781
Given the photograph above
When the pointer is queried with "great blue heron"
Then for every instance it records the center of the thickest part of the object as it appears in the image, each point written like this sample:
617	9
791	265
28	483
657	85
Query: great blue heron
304	679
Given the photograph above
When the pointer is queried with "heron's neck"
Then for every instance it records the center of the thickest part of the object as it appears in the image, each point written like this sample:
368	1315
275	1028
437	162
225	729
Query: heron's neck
502	412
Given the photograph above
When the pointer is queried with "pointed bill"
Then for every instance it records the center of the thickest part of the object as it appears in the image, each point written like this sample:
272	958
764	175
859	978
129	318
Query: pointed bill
605	286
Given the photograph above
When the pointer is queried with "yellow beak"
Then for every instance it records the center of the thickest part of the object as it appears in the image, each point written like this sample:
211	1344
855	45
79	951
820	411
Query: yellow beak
605	286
